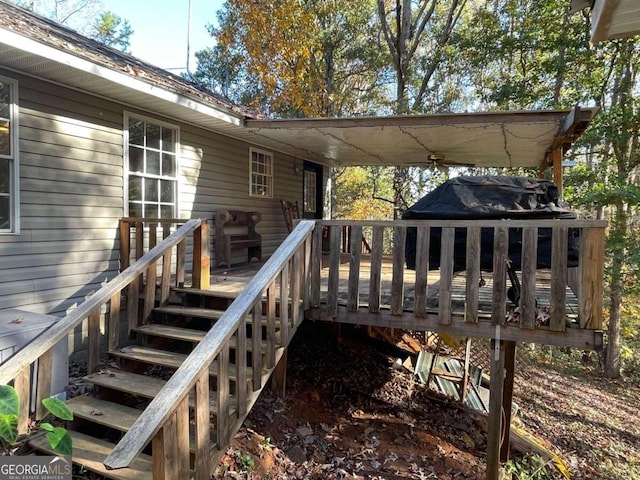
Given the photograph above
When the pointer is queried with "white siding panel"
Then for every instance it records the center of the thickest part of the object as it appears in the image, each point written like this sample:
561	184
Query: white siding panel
71	180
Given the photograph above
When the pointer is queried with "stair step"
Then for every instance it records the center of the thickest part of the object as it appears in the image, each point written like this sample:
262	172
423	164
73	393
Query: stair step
198	312
105	413
90	452
214	292
208	313
142	386
168	359
174	333
187	335
127	382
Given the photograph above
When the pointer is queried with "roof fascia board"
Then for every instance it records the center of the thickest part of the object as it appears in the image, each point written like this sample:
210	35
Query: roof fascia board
33	47
437	119
601	15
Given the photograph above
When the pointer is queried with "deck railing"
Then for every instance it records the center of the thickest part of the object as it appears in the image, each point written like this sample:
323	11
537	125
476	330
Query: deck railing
456	301
285	277
17	369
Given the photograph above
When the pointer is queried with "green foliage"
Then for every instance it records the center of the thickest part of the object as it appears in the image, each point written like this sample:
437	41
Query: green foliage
112	30
531	467
9	409
245	461
58	437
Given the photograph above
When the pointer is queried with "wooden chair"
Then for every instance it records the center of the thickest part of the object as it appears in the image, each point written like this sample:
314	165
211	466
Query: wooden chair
291	212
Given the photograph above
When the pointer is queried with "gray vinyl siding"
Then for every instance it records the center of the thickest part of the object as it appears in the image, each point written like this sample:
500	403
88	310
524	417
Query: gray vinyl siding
72	193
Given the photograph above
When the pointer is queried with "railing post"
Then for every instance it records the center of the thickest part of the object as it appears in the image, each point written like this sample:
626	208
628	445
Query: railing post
591	275
93	328
201	257
125	244
22	385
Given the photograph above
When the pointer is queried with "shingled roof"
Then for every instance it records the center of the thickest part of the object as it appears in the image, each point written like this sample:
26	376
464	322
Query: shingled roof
51	33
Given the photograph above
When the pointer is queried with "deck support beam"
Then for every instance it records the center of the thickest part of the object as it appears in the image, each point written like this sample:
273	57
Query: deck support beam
496	389
507	396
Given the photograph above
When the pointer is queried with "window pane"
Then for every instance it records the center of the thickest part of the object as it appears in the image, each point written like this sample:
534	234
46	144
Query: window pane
168	165
5	100
5	176
168	139
166	193
136	132
135	209
135	188
153	136
5	138
136	159
153	162
150	190
150	210
5	217
167	211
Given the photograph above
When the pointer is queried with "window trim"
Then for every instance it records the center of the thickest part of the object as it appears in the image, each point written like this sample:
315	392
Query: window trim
125	139
14	160
270	155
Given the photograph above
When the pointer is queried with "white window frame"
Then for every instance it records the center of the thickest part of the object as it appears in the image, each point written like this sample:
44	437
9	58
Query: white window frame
14	161
266	177
128	174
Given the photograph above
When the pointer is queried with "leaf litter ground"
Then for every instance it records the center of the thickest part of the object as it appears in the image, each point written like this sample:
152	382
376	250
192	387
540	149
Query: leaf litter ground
348	413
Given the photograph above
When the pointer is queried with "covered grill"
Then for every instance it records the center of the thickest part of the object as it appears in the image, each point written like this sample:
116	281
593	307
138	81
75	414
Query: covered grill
491	197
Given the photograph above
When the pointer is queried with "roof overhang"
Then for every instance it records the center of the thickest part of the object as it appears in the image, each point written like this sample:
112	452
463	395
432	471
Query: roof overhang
499	139
495	139
62	66
611	19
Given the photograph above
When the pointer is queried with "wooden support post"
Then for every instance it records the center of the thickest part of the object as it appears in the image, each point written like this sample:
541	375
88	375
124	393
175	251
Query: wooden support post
113	329
201	257
556	160
507	396
43	388
125	244
94	340
496	388
465	373
22	385
279	375
202	462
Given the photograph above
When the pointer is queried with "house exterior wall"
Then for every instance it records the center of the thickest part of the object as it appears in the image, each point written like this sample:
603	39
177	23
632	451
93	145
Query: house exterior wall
72	193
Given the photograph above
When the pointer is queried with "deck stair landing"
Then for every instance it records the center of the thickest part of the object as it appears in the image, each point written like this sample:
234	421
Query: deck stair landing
120	393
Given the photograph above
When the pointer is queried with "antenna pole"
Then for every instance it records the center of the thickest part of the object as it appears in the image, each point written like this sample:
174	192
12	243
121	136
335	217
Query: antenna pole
188	37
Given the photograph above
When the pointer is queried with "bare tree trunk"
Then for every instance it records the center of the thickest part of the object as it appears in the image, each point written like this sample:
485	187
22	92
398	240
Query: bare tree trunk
612	361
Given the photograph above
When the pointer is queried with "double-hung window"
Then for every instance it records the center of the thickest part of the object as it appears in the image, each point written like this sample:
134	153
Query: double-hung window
261	172
152	149
9	199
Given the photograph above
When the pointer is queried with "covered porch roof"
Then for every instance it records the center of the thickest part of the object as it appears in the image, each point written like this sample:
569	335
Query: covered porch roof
493	139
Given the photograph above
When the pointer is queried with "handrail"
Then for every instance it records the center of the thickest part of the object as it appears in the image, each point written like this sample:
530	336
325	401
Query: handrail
59	330
165	403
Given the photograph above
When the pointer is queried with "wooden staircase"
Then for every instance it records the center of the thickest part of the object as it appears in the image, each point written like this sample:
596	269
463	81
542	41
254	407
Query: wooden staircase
120	393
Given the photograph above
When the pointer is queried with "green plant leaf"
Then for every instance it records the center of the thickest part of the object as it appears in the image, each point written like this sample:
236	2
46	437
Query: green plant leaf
47	426
9	428
58	408
9	401
60	441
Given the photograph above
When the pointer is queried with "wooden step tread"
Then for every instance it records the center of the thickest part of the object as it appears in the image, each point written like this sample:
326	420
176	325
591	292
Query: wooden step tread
127	382
168	359
174	333
227	293
90	452
208	313
142	386
187	335
105	413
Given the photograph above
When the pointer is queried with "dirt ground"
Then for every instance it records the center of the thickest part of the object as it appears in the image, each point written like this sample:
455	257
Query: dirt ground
349	413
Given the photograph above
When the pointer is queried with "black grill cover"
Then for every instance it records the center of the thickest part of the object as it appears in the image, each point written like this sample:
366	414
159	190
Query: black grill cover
490	197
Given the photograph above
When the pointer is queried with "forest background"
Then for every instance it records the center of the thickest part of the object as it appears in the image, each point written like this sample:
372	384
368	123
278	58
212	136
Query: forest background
344	58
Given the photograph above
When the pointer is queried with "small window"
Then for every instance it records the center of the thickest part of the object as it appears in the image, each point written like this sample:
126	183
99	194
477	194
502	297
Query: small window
310	193
8	156
261	168
153	168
